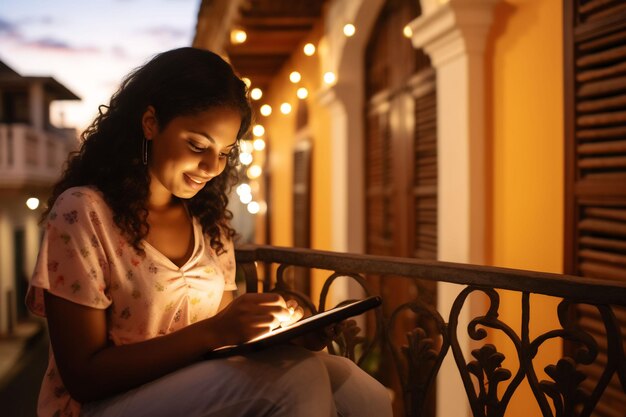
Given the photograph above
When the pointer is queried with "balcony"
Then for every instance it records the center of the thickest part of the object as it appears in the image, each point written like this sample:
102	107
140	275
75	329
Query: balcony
408	357
32	157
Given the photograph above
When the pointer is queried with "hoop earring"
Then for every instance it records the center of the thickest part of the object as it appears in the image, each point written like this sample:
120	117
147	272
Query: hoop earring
144	151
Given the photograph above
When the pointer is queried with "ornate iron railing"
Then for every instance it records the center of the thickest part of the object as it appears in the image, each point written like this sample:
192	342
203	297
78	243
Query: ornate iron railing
418	359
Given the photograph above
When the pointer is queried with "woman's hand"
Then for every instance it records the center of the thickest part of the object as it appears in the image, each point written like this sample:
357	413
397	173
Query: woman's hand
295	313
318	340
250	315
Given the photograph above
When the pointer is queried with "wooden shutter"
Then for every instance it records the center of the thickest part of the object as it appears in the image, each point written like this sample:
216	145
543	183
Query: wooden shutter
302	195
425	173
400	169
595	140
380	187
302	210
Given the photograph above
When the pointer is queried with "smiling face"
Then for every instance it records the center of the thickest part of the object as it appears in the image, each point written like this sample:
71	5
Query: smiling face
189	151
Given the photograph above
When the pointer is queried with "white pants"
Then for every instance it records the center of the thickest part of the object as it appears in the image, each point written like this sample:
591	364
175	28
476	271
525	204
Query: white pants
285	381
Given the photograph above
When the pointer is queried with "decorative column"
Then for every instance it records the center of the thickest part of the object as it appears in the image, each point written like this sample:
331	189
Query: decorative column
453	34
344	101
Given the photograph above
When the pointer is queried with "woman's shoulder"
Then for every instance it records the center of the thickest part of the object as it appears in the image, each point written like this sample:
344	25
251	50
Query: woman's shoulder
80	198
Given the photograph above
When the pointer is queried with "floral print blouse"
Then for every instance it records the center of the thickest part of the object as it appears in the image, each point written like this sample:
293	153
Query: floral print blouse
85	259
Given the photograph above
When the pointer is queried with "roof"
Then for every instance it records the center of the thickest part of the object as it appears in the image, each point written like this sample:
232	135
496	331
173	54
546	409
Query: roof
11	78
274	30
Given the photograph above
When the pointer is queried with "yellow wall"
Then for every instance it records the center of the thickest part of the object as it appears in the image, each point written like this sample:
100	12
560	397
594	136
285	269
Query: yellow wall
524	69
524	83
281	131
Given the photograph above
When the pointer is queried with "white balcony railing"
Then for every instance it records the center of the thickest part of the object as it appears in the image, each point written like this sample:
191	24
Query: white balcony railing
34	157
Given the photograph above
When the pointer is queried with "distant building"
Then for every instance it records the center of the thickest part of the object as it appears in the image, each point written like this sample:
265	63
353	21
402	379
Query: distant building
32	153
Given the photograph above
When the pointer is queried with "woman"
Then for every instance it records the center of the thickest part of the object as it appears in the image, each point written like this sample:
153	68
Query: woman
136	269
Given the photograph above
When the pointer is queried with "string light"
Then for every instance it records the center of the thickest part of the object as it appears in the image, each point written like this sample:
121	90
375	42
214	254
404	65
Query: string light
254	171
246	81
253	207
302	93
246	146
349	30
258	130
238	36
309	49
258	144
330	78
256	93
266	110
245	158
32	203
243	189
407	31
285	108
295	77
245	198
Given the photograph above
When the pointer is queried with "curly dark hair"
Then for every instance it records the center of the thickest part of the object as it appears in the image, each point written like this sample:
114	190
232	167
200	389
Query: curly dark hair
179	82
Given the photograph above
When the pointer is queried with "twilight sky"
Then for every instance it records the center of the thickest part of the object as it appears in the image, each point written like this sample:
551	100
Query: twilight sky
90	45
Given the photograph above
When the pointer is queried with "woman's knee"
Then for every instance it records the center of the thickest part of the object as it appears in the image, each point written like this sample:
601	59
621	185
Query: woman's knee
356	393
302	388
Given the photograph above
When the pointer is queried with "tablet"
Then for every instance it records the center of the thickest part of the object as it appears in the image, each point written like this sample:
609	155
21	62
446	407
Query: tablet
306	325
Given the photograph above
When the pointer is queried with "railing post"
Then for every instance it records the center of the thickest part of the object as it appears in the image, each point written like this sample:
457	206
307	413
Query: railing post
18	148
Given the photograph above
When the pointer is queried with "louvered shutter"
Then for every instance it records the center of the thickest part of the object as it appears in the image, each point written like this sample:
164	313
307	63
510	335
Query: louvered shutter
595	127
400	169
379	186
302	211
425	177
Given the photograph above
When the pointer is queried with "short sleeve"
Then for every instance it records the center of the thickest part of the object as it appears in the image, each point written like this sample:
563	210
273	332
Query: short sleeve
72	263
227	262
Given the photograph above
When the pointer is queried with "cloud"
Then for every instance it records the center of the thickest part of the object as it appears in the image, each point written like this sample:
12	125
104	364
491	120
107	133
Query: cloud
52	44
38	20
119	52
164	32
8	29
15	29
12	32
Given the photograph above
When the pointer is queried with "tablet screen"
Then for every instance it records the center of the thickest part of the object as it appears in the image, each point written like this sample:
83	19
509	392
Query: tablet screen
301	327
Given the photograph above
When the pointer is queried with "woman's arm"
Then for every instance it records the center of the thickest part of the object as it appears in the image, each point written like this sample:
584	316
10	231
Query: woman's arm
227	298
93	369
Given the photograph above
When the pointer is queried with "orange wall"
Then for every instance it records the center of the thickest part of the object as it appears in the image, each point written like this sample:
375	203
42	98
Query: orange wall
281	131
524	69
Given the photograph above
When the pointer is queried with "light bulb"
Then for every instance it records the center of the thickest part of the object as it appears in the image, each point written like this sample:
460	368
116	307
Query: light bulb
258	130
238	36
302	93
407	31
295	77
254	171
245	198
245	146
330	78
309	49
349	30
258	144
253	207
243	189
285	108
266	110
245	158
256	93
32	203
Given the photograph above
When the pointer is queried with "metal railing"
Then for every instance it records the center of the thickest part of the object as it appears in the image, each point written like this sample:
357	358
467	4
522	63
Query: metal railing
417	360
